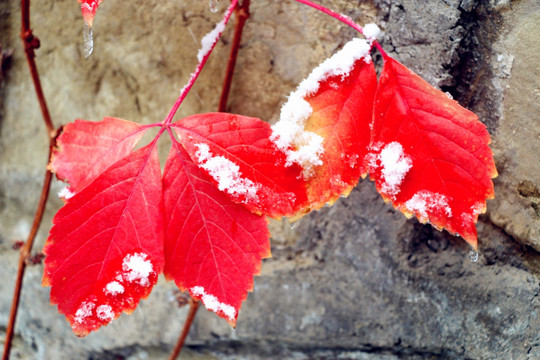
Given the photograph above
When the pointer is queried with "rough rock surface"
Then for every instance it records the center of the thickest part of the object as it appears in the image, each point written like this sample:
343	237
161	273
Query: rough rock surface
354	281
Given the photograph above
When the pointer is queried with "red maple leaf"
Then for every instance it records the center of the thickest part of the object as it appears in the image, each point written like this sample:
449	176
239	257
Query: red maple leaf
429	156
325	125
105	249
226	145
124	223
85	149
213	247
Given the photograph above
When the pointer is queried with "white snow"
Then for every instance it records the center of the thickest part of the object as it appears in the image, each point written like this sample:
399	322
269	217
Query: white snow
65	193
87	6
395	165
424	201
137	268
114	288
210	39
288	134
213	304
476	209
84	311
105	313
226	173
214	5
371	32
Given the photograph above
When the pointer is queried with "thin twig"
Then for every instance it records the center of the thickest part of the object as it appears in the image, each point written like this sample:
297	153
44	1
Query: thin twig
193	306
242	12
30	44
200	65
25	253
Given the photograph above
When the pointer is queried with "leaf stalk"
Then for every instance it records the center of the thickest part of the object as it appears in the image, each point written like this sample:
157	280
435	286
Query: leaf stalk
31	43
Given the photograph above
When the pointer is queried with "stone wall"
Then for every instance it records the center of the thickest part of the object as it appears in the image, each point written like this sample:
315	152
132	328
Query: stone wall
354	281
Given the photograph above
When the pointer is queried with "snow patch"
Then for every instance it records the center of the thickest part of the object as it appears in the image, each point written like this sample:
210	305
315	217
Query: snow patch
84	311
226	173
114	288
65	193
288	134
395	164
471	217
87	7
213	304
371	32
105	313
337	181
210	39
424	201
137	268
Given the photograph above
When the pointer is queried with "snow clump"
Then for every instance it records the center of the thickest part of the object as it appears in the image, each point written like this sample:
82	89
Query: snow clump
137	268
288	134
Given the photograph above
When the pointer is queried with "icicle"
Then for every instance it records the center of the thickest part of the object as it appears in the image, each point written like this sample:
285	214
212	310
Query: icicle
473	255
88	39
214	5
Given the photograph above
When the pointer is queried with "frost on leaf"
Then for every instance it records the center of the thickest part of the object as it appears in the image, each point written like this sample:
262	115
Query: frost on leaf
291	134
213	304
114	288
425	202
137	268
105	313
84	311
241	160
65	193
393	165
324	126
87	148
451	165
226	173
105	249
213	246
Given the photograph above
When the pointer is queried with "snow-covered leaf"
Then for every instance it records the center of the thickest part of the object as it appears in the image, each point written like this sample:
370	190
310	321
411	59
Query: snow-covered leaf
428	155
105	250
213	247
236	152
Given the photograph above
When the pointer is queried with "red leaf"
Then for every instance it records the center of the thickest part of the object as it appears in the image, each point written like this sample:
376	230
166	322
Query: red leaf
324	126
237	154
87	148
88	9
342	112
105	250
213	247
429	156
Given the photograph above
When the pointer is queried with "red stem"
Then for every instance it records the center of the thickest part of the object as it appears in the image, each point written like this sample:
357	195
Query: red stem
23	260
193	306
30	44
200	66
242	14
344	19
